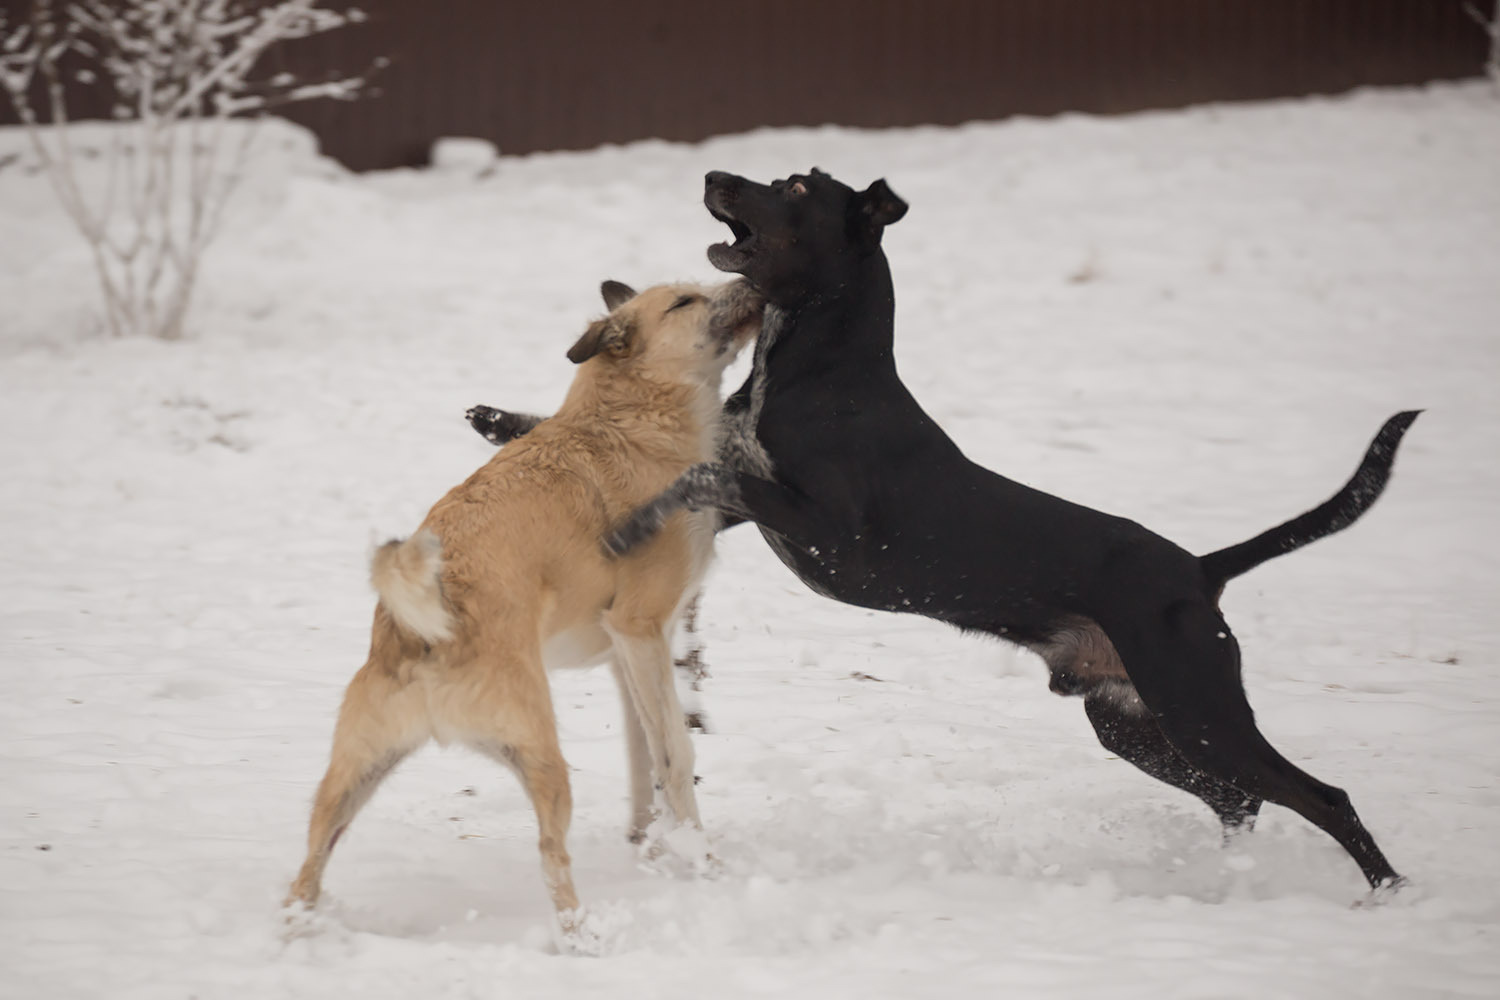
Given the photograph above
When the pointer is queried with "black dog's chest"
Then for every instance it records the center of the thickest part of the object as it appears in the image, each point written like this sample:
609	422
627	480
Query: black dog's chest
914	576
836	570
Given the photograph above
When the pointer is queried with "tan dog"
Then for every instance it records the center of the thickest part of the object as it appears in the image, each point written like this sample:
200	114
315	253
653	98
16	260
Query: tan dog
507	577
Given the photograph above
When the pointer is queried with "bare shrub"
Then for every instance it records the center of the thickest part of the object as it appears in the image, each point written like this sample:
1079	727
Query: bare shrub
1491	26
176	72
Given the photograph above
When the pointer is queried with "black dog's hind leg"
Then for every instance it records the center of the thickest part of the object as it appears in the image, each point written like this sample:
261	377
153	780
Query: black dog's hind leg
500	426
735	494
693	666
1134	736
1186	670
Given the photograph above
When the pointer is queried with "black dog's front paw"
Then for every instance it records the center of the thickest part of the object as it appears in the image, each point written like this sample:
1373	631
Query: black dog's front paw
701	486
499	426
483	419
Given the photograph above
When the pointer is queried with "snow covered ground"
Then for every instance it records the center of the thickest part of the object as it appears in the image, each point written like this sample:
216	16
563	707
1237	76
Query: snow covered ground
1196	319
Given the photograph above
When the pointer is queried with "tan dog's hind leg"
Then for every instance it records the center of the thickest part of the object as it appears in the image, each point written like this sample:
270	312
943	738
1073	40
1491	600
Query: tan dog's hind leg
545	775
381	721
509	716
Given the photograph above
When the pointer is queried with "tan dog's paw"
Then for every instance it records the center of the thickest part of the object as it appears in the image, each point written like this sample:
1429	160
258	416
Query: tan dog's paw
577	935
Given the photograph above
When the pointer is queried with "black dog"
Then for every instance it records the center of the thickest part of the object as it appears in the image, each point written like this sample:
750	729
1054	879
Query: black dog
869	502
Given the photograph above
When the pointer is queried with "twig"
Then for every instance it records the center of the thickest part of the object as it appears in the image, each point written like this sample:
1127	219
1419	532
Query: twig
171	63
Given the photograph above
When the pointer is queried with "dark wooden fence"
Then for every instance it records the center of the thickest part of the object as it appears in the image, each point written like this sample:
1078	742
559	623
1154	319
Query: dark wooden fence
572	74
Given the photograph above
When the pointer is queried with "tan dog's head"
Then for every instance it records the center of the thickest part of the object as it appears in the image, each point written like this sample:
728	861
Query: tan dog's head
680	333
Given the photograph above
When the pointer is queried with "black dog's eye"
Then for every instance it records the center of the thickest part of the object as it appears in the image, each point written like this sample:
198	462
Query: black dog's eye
683	300
797	189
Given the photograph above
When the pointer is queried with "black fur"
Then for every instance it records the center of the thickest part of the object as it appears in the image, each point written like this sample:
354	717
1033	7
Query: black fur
866	499
500	426
705	485
1334	514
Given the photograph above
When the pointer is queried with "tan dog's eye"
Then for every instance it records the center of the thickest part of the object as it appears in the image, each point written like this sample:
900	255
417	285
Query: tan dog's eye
683	300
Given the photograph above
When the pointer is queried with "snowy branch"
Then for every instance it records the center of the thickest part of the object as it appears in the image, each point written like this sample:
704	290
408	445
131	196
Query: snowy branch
169	65
1491	26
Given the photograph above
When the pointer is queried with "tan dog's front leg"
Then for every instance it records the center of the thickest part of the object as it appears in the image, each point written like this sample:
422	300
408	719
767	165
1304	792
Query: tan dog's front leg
646	661
638	755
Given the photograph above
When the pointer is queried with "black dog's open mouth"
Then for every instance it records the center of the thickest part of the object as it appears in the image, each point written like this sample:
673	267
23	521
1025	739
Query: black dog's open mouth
731	256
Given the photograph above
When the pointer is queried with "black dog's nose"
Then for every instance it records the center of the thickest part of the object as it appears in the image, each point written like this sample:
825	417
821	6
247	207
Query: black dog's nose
717	177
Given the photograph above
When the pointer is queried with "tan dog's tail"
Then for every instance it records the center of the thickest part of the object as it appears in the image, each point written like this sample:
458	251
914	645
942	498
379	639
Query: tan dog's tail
407	576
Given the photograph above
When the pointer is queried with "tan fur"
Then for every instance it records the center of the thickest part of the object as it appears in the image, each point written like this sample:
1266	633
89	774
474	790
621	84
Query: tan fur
1081	656
406	576
462	638
1079	646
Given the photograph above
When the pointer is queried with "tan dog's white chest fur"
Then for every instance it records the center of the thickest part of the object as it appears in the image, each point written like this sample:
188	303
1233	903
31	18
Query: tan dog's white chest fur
507	578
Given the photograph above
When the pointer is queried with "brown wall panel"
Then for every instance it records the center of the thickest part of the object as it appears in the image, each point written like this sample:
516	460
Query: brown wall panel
573	74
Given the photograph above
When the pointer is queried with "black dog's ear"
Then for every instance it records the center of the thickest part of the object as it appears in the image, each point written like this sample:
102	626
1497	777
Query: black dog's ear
879	206
608	335
616	293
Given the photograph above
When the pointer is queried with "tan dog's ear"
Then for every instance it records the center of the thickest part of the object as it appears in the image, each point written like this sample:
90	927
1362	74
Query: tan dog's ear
590	343
609	335
616	294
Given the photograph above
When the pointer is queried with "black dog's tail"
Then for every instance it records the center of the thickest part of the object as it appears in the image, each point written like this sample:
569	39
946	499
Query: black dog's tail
1334	514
